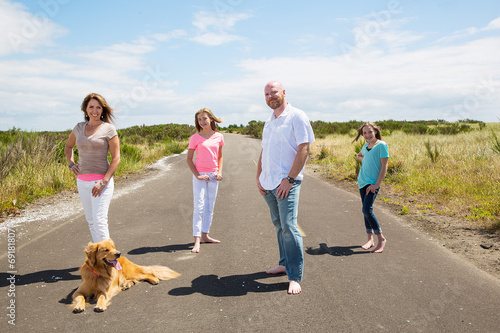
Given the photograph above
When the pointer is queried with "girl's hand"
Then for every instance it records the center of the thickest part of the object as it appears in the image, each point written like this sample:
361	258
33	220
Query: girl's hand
218	177
372	188
203	177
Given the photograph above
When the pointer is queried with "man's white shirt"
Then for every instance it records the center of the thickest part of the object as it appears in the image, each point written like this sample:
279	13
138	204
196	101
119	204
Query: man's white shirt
281	138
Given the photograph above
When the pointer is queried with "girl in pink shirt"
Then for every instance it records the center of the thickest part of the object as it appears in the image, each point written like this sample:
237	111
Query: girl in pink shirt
207	172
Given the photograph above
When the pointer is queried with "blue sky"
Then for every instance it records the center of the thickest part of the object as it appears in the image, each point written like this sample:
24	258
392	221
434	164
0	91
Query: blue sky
158	62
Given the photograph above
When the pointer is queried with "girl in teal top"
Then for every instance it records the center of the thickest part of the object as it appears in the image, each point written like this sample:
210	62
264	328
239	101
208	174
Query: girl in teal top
373	157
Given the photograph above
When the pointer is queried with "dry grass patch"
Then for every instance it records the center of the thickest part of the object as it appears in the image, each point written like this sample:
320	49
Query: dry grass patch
458	176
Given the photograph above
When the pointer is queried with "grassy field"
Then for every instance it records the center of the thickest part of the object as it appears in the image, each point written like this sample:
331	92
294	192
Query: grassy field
446	168
449	174
33	165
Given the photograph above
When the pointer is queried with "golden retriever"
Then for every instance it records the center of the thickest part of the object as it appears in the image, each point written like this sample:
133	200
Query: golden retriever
105	272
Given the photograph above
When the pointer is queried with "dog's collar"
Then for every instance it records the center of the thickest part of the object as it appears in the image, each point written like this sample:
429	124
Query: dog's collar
92	270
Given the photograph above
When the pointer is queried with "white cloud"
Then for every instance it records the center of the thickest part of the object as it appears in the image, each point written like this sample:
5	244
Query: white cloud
471	31
213	28
428	83
386	77
380	33
214	39
206	21
46	93
494	25
24	32
178	33
359	104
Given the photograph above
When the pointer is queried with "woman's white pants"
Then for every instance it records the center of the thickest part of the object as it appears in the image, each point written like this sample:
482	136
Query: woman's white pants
96	208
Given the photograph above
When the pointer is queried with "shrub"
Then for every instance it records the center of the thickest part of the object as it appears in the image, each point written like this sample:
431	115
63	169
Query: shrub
254	129
130	153
323	153
357	148
394	167
495	142
433	154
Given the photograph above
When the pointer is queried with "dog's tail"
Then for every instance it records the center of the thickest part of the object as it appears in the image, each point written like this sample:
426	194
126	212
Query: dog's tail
162	272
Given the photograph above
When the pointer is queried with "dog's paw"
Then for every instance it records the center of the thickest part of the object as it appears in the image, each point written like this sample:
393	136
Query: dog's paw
78	304
154	280
78	309
127	285
99	308
102	304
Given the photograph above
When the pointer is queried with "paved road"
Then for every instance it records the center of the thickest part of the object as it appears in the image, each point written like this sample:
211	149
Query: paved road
414	286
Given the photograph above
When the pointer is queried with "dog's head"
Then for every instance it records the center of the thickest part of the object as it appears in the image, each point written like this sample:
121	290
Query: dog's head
103	253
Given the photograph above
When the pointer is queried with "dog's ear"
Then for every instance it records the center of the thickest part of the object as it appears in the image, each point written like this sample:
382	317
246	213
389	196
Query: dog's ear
91	253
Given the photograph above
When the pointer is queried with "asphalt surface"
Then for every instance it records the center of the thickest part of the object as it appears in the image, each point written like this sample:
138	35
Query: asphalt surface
414	286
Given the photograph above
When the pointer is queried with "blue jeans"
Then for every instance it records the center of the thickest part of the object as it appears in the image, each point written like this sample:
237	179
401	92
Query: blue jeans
371	222
284	217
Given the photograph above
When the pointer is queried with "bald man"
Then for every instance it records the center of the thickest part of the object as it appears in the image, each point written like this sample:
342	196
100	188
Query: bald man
286	138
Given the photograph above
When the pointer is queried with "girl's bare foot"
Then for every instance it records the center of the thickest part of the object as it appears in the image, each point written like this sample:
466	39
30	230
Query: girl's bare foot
196	247
276	270
370	243
207	239
294	288
367	245
380	246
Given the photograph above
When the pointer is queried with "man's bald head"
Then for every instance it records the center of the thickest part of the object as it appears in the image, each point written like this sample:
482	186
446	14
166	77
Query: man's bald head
275	94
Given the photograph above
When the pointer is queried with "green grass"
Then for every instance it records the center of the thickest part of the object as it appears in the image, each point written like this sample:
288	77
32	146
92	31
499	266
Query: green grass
33	165
446	168
454	174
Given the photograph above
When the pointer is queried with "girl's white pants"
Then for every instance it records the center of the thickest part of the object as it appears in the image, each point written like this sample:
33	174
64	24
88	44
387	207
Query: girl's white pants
204	195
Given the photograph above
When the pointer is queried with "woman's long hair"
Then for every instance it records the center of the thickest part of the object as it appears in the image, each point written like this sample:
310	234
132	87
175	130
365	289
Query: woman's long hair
107	112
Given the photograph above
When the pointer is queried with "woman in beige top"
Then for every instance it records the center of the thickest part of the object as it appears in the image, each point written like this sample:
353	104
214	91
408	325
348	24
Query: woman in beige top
94	138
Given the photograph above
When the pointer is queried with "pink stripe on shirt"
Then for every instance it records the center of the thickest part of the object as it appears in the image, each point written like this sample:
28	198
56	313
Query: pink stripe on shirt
88	177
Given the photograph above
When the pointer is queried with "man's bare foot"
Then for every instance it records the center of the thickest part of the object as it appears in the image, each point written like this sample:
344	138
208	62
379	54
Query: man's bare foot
277	270
294	288
367	245
207	239
380	246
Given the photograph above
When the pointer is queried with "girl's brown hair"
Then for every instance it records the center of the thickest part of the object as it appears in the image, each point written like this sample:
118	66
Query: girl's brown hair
213	119
107	112
372	125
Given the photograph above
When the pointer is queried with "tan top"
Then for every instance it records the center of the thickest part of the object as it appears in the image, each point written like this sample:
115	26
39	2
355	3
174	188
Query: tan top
93	150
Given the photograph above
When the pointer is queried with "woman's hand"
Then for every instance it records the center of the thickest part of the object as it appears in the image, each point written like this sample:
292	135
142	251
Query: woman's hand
97	189
218	177
75	168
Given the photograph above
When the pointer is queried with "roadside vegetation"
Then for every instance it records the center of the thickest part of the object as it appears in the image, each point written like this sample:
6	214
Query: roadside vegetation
33	165
434	166
454	175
